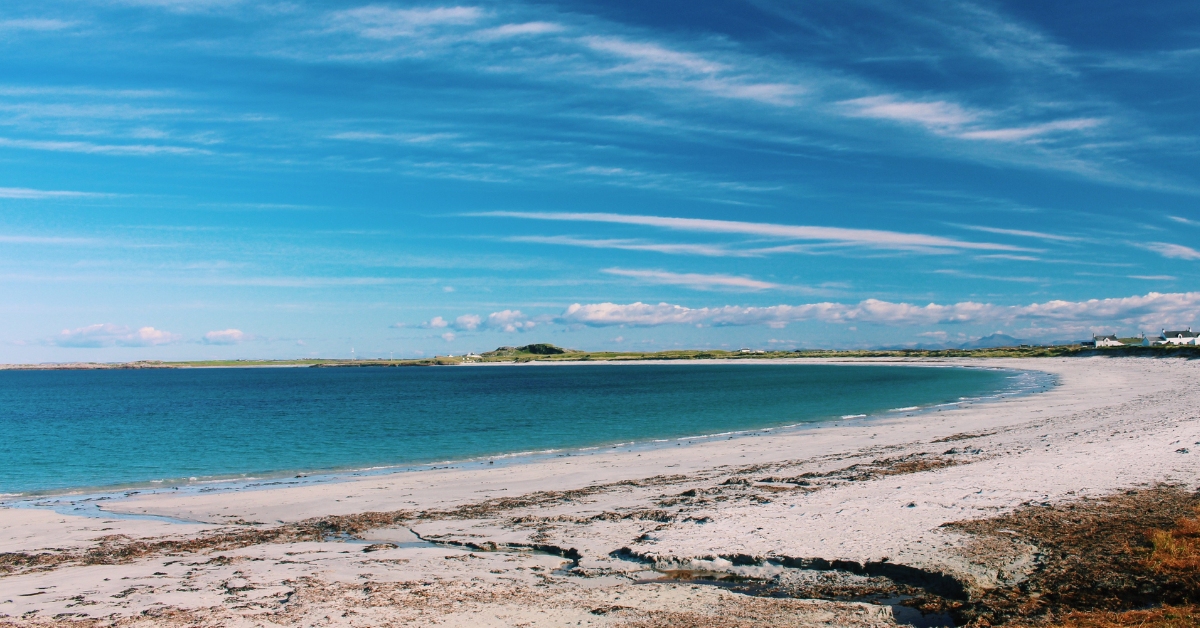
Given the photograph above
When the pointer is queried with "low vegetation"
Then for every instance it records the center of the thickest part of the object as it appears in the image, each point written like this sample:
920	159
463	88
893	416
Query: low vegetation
543	352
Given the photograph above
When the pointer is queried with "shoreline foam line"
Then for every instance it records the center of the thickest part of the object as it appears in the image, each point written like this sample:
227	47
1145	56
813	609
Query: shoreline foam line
68	501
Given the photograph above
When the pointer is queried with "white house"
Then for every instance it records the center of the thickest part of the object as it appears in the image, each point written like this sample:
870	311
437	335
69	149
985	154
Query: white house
1184	337
1105	341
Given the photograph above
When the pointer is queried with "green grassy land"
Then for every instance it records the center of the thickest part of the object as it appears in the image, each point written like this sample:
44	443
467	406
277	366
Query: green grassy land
551	353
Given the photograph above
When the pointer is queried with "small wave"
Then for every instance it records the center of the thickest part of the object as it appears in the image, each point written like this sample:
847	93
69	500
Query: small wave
853	416
908	409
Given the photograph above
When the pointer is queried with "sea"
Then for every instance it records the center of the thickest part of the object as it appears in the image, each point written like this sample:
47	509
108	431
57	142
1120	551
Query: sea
79	430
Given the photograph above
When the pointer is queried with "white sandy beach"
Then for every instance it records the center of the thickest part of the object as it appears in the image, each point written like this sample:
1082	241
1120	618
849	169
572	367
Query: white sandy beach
459	553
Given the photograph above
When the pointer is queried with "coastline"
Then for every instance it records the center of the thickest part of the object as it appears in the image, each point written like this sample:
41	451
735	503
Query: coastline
1039	382
553	541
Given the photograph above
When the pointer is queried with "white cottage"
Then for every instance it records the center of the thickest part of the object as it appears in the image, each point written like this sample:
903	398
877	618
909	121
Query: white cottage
1177	337
1105	341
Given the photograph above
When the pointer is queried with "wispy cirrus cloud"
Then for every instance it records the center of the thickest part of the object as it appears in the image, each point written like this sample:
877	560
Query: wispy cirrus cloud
107	149
109	335
35	24
1041	235
654	56
708	250
694	280
51	240
1173	251
394	138
1151	309
857	237
384	22
1017	134
185	6
524	29
937	115
952	119
29	193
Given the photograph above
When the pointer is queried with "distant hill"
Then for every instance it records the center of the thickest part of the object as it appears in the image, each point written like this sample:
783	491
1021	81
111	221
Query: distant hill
987	342
992	341
533	349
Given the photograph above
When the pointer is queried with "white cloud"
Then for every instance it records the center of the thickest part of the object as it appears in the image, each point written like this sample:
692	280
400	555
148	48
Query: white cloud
448	336
108	335
504	320
509	321
381	22
436	322
1151	309
861	237
694	280
467	322
1185	221
1174	251
225	337
28	193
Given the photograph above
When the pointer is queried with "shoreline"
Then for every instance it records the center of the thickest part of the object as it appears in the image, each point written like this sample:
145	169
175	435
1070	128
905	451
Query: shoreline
1043	382
571	539
524	355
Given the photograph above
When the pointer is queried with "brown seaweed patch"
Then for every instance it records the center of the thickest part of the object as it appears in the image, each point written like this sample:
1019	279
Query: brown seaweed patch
875	469
116	549
961	436
1164	617
1131	551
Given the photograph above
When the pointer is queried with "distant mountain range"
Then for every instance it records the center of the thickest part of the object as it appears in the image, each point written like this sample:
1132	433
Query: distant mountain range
987	342
994	340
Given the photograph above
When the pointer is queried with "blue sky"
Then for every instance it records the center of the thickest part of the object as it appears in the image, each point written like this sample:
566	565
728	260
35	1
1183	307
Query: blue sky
225	178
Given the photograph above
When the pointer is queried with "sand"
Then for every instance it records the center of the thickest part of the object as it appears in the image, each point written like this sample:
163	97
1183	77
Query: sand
587	539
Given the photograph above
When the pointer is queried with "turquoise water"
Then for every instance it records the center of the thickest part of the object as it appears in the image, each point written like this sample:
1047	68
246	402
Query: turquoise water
64	430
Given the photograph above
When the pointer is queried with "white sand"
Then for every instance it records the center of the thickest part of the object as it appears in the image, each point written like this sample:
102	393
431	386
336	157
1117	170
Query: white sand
1111	424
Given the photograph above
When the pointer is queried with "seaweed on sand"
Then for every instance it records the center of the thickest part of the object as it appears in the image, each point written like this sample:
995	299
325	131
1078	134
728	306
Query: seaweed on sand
1124	560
